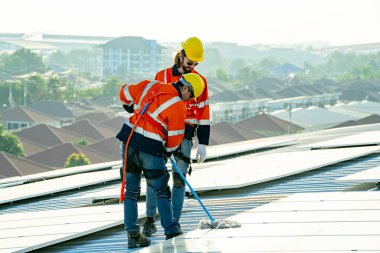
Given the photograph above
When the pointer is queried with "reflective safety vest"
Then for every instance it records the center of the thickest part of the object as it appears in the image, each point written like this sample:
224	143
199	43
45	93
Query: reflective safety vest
161	129
197	112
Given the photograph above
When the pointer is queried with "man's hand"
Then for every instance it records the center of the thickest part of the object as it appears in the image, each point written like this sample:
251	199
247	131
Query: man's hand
201	153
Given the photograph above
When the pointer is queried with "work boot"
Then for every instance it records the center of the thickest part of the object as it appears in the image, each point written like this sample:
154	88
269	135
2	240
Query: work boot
137	240
171	235
179	228
149	228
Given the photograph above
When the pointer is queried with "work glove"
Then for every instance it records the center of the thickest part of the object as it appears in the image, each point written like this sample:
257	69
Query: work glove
201	153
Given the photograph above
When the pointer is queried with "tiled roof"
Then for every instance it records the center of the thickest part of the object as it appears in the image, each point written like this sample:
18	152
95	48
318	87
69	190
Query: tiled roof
96	116
57	156
87	129
235	131
109	146
268	125
53	108
114	123
24	114
31	147
49	136
16	166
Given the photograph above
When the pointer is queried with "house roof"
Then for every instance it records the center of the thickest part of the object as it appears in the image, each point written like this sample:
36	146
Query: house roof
88	129
31	147
49	136
372	119
109	146
96	116
313	116
24	114
53	108
268	125
56	157
269	84
235	131
11	166
113	123
130	42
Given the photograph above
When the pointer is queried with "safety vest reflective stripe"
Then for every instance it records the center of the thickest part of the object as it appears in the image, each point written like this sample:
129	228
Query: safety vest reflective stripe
165	105
177	132
138	105
127	95
156	123
171	149
203	122
192	121
203	104
146	133
165	76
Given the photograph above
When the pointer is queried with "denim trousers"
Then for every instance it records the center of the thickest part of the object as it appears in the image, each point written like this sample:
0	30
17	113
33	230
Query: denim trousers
178	193
158	184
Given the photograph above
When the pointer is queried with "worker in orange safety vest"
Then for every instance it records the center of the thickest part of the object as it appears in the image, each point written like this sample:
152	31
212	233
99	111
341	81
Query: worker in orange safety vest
149	136
197	123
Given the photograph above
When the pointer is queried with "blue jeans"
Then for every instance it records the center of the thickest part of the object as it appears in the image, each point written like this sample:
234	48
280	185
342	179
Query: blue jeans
151	165
178	193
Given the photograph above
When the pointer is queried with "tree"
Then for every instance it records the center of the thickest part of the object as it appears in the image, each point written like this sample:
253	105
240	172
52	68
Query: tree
221	75
9	143
82	142
76	159
111	87
23	61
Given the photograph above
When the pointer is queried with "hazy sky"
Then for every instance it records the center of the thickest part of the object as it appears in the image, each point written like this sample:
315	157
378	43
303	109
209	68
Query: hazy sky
242	21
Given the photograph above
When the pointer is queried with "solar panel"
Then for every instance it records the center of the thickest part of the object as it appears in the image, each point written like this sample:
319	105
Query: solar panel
250	170
5	182
370	175
41	188
312	222
242	147
361	139
28	231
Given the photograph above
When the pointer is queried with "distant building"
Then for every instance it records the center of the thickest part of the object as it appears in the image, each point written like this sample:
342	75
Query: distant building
21	117
130	54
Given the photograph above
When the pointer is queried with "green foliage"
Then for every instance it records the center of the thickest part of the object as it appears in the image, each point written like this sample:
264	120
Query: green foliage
82	142
76	159
23	61
9	143
221	74
111	87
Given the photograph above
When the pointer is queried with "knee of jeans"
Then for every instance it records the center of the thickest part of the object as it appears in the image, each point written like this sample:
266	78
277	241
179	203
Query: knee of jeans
164	192
153	174
178	181
132	194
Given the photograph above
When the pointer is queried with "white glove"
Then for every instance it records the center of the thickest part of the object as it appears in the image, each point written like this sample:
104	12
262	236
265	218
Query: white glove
201	153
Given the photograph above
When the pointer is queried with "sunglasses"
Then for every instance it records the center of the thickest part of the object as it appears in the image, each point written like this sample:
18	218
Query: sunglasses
190	63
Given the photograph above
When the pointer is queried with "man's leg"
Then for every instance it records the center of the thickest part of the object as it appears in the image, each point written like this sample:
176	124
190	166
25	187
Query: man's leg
157	178
149	227
132	193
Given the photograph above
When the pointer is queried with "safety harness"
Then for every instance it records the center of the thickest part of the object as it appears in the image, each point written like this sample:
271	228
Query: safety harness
141	112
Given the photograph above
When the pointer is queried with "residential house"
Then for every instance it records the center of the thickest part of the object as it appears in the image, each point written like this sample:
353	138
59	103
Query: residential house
21	117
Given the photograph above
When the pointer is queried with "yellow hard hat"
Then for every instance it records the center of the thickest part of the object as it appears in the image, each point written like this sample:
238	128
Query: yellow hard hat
193	49
195	82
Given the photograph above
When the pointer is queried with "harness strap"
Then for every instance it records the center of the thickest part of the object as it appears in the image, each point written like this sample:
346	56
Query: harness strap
155	123
184	158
